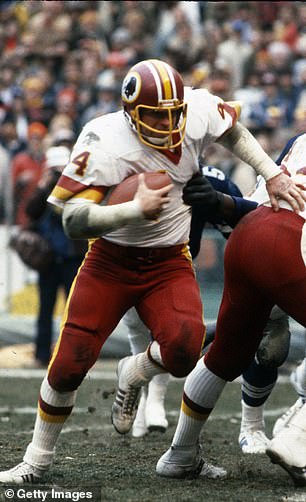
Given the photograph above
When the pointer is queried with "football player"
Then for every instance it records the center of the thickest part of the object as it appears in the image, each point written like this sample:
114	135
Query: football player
138	254
251	287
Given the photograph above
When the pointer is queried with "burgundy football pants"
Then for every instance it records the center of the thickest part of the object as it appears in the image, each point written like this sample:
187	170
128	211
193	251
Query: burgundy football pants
264	266
159	282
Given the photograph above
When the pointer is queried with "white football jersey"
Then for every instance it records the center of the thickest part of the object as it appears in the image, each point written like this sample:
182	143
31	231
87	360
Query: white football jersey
294	164
108	151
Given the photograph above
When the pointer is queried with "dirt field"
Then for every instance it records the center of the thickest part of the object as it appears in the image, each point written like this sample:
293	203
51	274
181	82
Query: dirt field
92	457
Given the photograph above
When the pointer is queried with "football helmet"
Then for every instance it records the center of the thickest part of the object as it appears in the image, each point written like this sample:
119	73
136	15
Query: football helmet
154	87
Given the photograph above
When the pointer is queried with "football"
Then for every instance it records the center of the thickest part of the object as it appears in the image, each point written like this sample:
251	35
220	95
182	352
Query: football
125	191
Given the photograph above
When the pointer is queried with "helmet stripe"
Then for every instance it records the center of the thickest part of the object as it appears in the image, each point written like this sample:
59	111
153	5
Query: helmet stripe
156	78
164	76
170	73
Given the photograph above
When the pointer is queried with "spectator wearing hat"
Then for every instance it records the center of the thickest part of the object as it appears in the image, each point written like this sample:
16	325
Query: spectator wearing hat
26	170
67	254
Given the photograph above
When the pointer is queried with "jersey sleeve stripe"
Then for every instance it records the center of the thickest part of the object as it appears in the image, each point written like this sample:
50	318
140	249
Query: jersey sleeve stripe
92	194
68	188
71	185
233	108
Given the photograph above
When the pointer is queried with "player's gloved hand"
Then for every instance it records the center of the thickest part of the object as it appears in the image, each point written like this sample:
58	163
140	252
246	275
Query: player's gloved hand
199	192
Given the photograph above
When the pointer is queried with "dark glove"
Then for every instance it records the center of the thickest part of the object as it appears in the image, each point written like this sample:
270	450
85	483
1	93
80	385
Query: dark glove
199	192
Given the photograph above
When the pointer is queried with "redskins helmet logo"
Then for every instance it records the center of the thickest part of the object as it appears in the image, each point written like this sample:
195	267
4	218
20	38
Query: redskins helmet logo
131	87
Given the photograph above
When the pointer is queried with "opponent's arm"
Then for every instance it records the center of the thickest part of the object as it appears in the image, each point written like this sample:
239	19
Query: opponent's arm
212	205
279	186
91	220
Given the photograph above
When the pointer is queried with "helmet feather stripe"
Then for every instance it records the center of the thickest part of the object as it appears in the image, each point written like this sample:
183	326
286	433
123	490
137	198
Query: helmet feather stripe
164	78
170	73
156	79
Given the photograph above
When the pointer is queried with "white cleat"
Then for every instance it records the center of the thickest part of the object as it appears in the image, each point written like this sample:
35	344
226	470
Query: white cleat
176	463
139	428
288	449
21	474
286	418
253	442
124	408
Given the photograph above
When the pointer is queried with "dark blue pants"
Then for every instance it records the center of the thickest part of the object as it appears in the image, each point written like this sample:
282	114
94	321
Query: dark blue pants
60	274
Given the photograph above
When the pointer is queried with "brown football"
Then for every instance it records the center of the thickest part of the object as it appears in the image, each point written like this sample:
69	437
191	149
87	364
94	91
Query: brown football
125	191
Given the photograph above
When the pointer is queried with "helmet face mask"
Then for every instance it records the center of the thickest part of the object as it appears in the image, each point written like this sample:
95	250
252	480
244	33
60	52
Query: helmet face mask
153	102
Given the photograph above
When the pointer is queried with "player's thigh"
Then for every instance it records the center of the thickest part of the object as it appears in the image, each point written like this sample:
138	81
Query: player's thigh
92	311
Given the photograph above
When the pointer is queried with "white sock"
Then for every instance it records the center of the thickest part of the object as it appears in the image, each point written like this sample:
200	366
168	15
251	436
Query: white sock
48	425
157	389
252	417
201	391
143	367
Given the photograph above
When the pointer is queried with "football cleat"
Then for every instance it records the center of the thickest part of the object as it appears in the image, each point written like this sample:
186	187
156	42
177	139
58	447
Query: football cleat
253	442
288	451
286	418
176	463
22	473
124	408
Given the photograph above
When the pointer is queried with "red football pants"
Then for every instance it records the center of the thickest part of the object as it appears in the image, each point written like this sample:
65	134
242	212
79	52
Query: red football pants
264	266
160	283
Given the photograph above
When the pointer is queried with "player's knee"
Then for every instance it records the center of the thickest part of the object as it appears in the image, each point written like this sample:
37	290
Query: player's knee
64	378
181	362
62	383
181	357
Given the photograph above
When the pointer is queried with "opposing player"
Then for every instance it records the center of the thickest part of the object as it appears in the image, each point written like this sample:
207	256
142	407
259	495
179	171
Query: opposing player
251	288
142	259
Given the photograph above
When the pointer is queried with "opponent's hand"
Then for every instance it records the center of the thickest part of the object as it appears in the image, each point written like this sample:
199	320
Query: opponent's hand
283	187
198	191
152	202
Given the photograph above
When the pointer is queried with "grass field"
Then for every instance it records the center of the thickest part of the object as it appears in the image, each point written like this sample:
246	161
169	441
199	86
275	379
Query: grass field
91	456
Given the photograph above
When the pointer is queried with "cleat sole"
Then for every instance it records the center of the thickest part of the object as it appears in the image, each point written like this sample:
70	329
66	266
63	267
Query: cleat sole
298	478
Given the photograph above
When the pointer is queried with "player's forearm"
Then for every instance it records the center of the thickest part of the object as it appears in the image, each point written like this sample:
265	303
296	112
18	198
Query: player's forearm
243	144
90	220
232	209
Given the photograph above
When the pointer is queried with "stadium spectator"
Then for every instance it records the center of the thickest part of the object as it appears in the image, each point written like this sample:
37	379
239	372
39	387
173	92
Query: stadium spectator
9	137
234	54
67	254
26	171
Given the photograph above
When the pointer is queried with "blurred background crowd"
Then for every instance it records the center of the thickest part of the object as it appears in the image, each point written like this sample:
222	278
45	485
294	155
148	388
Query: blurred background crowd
62	62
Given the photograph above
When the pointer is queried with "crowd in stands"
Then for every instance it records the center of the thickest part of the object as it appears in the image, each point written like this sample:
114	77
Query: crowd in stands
62	63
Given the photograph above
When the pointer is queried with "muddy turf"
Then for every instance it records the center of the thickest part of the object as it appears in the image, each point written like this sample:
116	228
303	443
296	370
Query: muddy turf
92	457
